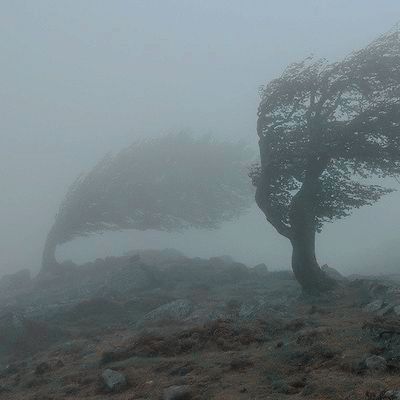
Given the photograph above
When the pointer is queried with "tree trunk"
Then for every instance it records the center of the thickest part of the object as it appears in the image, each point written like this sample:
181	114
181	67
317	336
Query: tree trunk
303	222
305	266
49	253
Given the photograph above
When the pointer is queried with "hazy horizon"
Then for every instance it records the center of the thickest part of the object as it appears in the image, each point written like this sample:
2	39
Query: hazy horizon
85	78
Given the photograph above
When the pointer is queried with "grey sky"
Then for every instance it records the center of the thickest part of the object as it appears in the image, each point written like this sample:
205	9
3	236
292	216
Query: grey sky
82	77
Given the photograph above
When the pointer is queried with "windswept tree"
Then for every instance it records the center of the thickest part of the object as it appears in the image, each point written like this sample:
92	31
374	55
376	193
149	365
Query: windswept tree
324	130
167	184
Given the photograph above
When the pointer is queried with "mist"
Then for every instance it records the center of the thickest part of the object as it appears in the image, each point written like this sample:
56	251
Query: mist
81	79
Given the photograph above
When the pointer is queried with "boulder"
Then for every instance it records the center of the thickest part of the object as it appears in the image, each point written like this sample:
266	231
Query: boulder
396	309
158	258
260	269
392	395
385	310
333	273
176	311
177	393
42	368
18	280
113	381
374	306
375	363
132	276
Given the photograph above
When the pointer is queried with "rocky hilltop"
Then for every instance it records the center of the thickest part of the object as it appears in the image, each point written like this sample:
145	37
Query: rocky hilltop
159	325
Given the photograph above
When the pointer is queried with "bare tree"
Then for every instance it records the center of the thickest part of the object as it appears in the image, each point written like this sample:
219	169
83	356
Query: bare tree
324	129
167	184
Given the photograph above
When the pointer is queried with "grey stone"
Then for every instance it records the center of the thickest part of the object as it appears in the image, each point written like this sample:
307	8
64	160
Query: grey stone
261	269
333	273
385	310
376	363
177	393
176	310
113	381
393	394
374	306
4	389
18	280
396	309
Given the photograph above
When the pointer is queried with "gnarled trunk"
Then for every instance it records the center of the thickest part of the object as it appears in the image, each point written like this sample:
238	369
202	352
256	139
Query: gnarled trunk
49	253
303	223
305	266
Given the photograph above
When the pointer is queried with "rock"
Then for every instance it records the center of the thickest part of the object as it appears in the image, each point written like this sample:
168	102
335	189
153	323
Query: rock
18	280
378	289
176	310
396	309
132	276
71	390
158	258
240	364
113	381
261	269
4	389
385	310
224	259
282	275
333	273
309	335
375	363
181	371
177	393
374	306
392	395
42	368
59	364
281	386
309	389
13	368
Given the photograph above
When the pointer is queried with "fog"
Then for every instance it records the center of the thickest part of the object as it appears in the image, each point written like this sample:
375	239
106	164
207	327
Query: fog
83	78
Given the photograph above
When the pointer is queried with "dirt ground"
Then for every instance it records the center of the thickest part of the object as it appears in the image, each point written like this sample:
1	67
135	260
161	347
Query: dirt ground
318	354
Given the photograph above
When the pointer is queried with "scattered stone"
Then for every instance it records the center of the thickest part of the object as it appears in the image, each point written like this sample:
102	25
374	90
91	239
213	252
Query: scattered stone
333	273
309	335
114	381
176	310
309	389
393	394
385	310
373	306
4	389
181	371
42	368
261	269
281	386
178	393
378	289
375	363
240	364
71	390
396	309
18	280
59	364
13	368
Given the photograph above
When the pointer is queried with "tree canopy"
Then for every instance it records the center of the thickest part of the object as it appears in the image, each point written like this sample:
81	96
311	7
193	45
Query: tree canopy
325	130
168	183
342	119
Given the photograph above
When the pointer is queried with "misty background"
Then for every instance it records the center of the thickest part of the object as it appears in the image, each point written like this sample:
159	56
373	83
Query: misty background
81	78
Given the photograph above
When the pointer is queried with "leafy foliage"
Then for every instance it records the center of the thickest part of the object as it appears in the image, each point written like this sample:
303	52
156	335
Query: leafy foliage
338	124
170	183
